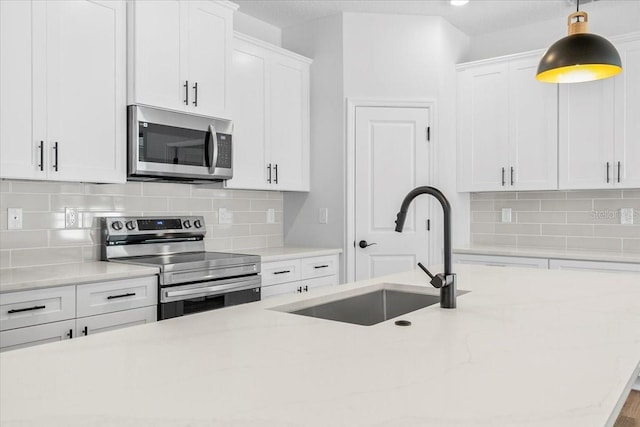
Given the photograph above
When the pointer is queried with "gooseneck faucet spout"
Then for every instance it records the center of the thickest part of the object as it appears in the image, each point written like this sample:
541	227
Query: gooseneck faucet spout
446	281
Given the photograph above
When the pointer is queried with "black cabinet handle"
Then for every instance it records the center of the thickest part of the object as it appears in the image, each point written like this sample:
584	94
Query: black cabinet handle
20	310
608	166
512	175
85	331
41	148
195	88
275	169
269	169
282	272
130	294
70	333
186	92
300	289
619	167
321	266
503	181
306	289
55	156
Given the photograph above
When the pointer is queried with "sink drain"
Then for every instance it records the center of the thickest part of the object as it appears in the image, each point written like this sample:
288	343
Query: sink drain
403	323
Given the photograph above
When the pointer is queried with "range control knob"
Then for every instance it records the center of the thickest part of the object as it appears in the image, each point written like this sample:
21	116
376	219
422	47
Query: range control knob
186	223
197	223
131	225
116	225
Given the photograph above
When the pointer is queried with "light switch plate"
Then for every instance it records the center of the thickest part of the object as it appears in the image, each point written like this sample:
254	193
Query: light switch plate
14	218
626	216
271	216
506	215
323	216
225	216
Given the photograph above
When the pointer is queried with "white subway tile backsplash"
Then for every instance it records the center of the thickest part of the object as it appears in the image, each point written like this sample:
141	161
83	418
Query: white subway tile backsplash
585	219
44	239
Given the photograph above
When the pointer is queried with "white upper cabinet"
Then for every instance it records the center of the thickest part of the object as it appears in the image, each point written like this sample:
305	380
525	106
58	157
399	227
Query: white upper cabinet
599	126
507	126
63	113
180	55
270	110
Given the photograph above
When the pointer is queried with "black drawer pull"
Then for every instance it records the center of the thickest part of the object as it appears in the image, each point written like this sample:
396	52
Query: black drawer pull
20	310
321	266
85	330
70	333
282	272
130	294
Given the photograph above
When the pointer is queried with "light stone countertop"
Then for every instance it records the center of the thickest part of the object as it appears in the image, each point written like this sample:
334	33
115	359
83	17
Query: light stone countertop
579	255
25	278
285	253
534	348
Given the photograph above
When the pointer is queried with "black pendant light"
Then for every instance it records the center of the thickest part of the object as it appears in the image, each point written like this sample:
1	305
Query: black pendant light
580	56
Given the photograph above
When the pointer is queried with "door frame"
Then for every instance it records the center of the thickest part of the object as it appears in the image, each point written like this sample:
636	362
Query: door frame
352	105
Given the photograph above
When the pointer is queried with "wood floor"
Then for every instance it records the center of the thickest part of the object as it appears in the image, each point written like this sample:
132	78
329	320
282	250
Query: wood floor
630	414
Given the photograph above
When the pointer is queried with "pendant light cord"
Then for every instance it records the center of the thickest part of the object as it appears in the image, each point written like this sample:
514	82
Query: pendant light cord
578	6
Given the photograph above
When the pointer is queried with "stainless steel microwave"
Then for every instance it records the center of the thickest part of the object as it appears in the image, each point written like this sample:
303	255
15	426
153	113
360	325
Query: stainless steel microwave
167	145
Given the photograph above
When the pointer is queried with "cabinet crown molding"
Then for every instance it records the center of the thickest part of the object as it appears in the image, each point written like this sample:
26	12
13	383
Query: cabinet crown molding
272	47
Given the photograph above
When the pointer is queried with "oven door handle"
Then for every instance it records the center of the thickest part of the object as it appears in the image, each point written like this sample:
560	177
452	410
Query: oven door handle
213	290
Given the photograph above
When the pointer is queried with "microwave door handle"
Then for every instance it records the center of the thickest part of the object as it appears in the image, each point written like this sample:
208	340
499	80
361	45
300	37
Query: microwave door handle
211	147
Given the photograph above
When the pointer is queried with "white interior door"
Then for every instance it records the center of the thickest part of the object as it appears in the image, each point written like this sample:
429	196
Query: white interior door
391	158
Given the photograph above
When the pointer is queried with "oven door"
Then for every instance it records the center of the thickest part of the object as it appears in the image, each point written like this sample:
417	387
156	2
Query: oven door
192	298
165	144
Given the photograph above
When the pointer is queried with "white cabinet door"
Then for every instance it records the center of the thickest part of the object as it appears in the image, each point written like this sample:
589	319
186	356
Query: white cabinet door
482	128
19	146
289	123
35	335
627	92
207	55
154	49
86	90
586	130
117	320
248	109
533	129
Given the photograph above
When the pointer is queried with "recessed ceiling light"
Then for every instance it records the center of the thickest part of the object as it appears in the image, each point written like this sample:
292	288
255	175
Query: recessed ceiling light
459	2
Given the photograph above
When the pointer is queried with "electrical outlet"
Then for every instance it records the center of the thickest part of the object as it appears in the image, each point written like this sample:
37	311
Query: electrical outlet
323	216
71	218
225	216
506	215
271	216
14	218
626	216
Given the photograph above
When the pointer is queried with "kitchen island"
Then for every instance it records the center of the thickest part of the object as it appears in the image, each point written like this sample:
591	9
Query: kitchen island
524	348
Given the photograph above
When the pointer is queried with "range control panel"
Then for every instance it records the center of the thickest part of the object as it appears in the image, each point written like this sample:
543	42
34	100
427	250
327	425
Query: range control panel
161	226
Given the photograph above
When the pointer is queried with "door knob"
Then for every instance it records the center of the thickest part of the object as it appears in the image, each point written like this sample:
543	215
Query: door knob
363	244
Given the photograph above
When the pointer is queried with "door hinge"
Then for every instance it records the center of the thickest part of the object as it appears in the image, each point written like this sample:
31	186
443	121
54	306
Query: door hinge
428	225
428	133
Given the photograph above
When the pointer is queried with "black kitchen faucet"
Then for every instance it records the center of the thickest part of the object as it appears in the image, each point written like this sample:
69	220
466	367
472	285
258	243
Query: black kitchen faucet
446	281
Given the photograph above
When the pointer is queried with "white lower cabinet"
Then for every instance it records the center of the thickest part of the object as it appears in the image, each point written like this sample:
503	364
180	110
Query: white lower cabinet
621	267
298	275
501	261
39	334
40	316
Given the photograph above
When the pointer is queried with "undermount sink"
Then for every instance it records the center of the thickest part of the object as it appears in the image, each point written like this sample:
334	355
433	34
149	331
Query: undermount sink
371	306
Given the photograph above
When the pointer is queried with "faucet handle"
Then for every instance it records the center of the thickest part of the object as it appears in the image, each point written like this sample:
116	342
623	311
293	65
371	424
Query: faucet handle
423	268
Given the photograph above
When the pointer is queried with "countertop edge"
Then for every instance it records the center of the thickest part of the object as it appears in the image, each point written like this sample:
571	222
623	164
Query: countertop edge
550	254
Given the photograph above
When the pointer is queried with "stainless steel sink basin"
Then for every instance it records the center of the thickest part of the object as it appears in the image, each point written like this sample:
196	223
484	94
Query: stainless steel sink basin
369	307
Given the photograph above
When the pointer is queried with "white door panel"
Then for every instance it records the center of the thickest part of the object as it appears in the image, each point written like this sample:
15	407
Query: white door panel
391	160
627	87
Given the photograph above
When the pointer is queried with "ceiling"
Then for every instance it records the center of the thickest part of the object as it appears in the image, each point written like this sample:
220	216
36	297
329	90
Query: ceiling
477	17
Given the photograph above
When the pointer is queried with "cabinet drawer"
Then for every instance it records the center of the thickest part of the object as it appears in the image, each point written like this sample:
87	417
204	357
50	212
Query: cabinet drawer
121	319
299	287
319	266
28	308
280	272
34	335
107	297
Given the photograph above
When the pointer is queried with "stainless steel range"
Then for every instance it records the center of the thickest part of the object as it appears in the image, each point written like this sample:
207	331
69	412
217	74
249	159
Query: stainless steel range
191	279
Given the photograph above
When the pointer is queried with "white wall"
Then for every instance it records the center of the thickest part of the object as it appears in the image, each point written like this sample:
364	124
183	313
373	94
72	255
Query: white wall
371	56
322	41
606	18
254	27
